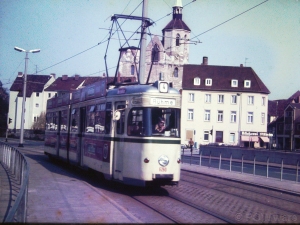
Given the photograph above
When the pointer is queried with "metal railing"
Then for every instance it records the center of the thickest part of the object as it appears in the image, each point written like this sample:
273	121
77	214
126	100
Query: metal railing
256	162
18	166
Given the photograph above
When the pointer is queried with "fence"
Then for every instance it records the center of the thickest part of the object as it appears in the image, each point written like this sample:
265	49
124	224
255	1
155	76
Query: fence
18	166
259	162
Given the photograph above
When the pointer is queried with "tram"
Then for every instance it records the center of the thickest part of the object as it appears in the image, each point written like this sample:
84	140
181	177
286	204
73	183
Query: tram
114	132
129	132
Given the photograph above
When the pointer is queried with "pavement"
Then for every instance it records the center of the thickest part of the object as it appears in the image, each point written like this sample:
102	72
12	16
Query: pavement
47	201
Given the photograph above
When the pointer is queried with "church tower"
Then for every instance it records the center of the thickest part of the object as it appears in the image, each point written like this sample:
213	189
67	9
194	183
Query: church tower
176	36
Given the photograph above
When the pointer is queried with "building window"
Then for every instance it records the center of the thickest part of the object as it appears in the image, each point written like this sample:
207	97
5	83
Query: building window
220	98
207	115
49	95
233	99
37	94
155	53
191	97
219	136
206	135
234	83
263	101
262	118
208	82
247	83
190	114
250	100
220	116
232	137
37	105
207	98
132	70
34	119
177	39
250	117
176	72
233	117
196	81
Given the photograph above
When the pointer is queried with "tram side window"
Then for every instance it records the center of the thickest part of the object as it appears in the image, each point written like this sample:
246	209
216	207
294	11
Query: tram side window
64	120
74	120
100	119
165	122
135	122
121	121
49	120
54	121
90	119
108	117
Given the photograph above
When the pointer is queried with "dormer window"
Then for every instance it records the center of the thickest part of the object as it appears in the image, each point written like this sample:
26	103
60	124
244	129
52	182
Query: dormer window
208	82
247	83
234	83
196	81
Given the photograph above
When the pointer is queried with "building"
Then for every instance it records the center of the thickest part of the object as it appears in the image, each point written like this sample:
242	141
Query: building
284	122
36	99
164	58
224	105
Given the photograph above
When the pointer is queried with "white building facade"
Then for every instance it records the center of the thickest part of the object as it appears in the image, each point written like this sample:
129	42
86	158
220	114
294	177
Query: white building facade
224	106
36	100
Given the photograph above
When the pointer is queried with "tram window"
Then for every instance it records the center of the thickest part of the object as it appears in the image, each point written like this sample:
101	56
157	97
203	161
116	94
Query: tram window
74	120
108	117
54	121
100	119
120	122
90	119
49	120
165	122
135	125
63	120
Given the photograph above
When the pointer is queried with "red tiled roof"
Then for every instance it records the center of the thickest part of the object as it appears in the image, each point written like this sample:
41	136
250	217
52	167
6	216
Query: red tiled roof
221	78
67	84
35	83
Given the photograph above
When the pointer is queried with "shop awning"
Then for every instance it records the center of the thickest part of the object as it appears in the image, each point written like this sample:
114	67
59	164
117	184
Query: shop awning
250	138
265	139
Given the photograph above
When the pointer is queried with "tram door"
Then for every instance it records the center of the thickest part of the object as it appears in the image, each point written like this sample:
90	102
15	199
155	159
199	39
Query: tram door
82	126
58	132
119	141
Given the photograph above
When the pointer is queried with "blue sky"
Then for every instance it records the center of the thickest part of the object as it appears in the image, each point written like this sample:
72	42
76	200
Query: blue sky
265	38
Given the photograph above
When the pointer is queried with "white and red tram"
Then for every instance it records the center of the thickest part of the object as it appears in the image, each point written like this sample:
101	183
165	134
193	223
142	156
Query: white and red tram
112	131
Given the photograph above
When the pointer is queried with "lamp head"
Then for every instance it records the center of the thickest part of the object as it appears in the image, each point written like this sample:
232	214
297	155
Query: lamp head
19	49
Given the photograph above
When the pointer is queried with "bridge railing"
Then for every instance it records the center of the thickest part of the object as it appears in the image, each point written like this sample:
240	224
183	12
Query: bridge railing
17	165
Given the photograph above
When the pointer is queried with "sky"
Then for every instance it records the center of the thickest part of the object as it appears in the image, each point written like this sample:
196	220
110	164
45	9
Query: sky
72	36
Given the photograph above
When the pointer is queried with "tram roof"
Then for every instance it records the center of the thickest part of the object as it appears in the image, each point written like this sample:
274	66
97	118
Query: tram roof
139	88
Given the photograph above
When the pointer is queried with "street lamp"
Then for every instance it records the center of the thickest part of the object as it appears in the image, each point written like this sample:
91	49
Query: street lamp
24	90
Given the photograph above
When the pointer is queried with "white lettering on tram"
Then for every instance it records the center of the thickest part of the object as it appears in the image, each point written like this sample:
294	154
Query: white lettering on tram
162	101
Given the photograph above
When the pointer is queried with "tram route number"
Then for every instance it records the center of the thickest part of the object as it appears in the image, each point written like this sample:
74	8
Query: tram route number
162	169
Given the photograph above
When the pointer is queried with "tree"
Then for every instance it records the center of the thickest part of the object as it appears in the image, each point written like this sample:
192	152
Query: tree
40	122
3	109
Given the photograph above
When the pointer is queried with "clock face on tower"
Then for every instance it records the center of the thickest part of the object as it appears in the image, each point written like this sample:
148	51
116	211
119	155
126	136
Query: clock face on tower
163	86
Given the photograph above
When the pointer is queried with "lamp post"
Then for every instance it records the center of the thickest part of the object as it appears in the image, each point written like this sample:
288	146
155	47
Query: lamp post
24	90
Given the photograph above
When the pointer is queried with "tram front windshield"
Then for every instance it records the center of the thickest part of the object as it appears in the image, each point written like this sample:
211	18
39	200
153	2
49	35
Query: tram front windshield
154	122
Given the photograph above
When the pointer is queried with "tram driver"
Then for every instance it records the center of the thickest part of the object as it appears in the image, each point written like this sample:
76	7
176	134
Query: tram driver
160	126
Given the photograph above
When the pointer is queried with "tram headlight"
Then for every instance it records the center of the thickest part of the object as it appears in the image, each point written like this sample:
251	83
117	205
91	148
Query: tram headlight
163	160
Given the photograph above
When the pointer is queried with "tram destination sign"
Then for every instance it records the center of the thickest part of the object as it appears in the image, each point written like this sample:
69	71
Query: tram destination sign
162	101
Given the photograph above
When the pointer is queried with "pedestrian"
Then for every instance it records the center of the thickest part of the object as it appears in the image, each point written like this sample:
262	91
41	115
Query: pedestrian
191	143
